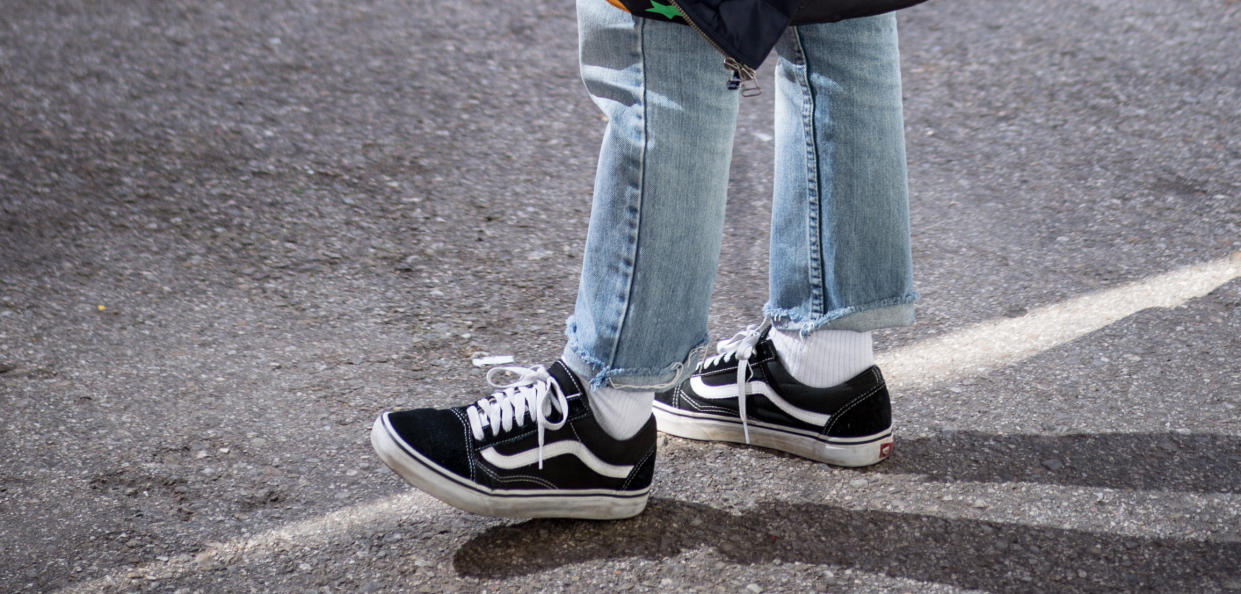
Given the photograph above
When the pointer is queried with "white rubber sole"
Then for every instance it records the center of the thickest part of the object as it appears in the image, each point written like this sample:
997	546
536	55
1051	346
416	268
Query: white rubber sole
459	492
852	451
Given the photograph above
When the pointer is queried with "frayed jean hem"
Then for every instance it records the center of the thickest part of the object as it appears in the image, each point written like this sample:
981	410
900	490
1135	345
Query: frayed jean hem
888	313
598	374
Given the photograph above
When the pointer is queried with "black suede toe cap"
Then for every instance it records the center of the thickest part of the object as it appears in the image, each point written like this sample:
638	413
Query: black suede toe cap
439	435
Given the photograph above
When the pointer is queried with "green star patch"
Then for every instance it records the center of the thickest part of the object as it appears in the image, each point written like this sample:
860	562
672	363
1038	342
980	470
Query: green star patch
666	10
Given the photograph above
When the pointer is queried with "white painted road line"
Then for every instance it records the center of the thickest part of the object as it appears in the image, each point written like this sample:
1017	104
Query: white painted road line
968	352
978	349
314	532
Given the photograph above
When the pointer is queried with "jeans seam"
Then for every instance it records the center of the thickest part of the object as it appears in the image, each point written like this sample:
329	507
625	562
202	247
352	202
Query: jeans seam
813	183
631	262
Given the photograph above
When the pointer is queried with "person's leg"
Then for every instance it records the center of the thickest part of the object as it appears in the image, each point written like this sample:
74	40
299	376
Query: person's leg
840	253
652	248
840	262
564	440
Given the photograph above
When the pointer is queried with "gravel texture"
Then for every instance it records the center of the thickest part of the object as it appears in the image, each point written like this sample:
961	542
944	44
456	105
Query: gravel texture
231	233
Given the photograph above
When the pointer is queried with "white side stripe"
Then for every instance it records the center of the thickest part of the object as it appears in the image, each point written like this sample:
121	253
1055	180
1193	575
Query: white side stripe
551	450
730	391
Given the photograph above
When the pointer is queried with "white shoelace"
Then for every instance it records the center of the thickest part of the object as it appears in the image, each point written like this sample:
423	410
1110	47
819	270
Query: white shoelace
534	392
739	347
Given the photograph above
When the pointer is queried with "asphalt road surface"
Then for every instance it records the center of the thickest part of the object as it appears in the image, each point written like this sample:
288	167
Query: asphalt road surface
233	232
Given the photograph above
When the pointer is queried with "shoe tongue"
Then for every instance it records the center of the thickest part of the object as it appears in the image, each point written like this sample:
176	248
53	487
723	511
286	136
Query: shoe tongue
764	347
567	379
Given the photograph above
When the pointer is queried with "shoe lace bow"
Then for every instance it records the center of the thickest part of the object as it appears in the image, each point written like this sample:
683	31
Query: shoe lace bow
740	347
534	394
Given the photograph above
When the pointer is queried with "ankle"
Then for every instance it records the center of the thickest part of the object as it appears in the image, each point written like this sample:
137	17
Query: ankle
824	358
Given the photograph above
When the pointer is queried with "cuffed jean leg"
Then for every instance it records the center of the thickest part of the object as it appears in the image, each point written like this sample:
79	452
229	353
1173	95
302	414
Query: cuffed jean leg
660	189
840	252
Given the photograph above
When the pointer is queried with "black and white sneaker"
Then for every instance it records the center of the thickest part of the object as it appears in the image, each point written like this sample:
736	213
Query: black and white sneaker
848	425
532	449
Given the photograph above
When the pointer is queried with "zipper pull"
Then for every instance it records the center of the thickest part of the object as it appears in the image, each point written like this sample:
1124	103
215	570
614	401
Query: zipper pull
743	78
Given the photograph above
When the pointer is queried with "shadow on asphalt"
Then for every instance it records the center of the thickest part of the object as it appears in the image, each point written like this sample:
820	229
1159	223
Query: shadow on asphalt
965	553
1202	463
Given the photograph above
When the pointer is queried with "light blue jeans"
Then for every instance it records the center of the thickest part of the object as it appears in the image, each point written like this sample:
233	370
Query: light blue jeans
840	254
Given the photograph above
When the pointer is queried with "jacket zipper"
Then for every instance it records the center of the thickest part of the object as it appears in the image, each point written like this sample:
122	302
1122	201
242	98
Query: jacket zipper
743	76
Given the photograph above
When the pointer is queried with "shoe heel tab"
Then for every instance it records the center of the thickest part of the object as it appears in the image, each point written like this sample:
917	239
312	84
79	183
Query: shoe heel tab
643	472
876	375
868	414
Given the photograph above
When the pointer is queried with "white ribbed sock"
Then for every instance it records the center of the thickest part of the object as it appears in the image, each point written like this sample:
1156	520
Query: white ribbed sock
825	358
620	412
